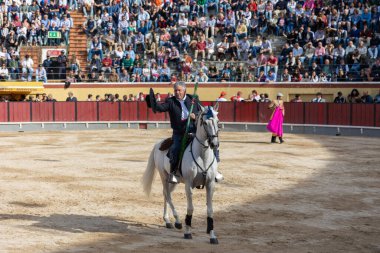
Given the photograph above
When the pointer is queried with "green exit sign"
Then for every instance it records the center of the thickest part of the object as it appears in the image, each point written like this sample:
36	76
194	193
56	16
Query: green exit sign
54	35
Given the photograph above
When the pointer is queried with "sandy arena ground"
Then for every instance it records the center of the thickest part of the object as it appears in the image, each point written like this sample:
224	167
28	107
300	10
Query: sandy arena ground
81	192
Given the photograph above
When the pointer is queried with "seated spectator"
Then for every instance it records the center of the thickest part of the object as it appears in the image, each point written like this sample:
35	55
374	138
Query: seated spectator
41	74
4	74
90	27
243	47
113	77
96	48
201	77
164	73
261	77
271	77
286	77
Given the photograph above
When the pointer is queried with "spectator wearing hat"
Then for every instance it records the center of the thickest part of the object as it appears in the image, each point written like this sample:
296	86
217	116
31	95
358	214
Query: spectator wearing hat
277	118
62	64
222	97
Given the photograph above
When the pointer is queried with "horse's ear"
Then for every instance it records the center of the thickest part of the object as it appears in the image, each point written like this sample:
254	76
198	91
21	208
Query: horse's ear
216	107
201	108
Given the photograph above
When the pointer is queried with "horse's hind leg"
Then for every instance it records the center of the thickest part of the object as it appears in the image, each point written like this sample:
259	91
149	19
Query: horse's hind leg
210	220
167	190
190	209
177	223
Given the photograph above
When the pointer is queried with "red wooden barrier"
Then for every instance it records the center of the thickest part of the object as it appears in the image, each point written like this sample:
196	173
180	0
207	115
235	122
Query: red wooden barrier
377	116
363	115
87	111
3	112
316	113
226	112
294	113
42	112
128	111
108	111
64	111
142	111
339	114
246	112
158	116
264	112
19	112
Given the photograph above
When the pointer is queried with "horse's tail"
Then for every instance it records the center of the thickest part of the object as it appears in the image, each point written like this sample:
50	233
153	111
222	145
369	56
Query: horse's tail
149	173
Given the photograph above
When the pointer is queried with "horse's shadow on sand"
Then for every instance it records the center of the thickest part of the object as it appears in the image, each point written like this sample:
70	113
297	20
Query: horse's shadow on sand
75	223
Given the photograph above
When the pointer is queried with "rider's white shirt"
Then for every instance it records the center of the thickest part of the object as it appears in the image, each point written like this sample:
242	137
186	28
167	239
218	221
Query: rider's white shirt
185	111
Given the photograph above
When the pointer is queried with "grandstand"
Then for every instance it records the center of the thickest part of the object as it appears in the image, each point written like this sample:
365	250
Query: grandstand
256	41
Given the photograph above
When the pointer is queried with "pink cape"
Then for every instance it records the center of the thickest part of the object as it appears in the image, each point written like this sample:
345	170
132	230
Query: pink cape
275	123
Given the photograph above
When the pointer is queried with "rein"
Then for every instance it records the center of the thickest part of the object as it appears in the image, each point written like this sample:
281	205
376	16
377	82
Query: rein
209	137
204	172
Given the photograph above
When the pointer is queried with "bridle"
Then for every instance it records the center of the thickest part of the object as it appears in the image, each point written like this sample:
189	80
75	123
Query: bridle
210	136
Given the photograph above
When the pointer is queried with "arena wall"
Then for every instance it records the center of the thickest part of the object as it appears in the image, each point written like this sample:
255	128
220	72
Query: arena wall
211	91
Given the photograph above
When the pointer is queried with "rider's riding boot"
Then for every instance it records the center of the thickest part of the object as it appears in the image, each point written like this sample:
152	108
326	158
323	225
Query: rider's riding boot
281	140
218	177
273	139
173	178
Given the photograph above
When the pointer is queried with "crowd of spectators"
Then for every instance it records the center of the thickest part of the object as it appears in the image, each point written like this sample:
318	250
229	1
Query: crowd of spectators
326	40
27	23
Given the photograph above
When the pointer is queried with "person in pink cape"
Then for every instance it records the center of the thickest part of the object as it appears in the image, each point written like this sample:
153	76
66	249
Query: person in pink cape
277	118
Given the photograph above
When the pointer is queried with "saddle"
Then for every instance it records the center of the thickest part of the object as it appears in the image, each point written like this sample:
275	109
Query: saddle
166	144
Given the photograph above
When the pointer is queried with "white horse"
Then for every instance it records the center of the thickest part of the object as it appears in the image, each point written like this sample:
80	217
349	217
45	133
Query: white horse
199	167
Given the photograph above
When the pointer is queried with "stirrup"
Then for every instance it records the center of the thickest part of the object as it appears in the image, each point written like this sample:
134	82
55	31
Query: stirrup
219	177
173	178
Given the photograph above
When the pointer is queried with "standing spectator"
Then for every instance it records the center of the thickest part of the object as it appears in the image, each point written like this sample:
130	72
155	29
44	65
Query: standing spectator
71	97
318	99
62	63
27	68
340	99
222	97
366	98
296	99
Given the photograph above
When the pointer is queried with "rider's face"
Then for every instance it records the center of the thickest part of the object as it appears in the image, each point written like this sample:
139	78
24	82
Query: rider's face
179	92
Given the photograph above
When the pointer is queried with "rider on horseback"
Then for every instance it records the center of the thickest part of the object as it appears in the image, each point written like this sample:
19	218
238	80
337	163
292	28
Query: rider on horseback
178	107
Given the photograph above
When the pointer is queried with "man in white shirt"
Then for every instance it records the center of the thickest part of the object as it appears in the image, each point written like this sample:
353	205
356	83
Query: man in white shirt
27	68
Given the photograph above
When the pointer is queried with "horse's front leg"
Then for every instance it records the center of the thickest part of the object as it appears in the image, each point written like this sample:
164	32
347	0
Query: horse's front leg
190	209
210	212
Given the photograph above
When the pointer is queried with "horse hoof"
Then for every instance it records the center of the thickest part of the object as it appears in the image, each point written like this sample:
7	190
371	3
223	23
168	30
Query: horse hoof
169	225
214	241
178	225
188	236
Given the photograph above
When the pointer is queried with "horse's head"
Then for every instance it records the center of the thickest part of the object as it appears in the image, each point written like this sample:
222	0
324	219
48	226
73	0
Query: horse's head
207	126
